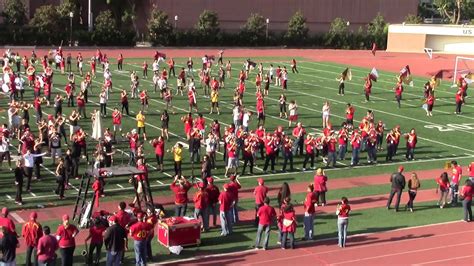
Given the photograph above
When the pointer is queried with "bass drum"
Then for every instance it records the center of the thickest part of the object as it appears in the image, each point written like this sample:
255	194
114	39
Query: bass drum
5	88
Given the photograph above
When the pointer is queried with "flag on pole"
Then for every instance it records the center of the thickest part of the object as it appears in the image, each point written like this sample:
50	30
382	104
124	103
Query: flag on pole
374	48
347	74
436	79
405	76
374	75
469	78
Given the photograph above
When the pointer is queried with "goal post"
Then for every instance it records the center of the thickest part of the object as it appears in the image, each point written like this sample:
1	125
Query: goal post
429	52
463	66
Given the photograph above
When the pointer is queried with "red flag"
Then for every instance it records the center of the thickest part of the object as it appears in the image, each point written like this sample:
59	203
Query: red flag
374	48
405	71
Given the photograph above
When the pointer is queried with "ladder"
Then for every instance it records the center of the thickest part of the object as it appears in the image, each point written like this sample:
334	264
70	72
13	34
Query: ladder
81	200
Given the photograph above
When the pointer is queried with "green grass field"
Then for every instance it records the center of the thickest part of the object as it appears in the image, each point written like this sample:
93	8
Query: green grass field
441	138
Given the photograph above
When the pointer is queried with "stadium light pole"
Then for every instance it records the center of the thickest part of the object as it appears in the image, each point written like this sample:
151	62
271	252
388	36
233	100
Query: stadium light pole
175	21
89	16
266	31
71	15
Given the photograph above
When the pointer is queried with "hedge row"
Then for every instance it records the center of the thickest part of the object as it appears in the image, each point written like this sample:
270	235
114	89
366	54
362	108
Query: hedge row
29	36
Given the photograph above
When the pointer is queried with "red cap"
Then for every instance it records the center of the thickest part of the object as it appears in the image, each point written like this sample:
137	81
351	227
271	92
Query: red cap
226	186
401	168
210	180
5	211
65	217
201	185
113	218
260	180
232	177
140	215
33	215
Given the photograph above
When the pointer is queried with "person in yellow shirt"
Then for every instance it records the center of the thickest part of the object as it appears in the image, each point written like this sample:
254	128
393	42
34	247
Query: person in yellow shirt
141	124
178	158
215	101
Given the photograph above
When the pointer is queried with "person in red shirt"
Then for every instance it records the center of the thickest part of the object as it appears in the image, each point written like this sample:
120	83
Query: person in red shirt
459	101
309	145
180	188
309	209
350	111
171	66
66	234
288	226
120	62
47	246
32	232
343	209
225	201
270	152
145	69
6	222
152	220
117	121
293	66
411	144
398	93
470	169
201	202
443	188
320	187
298	133
455	180
96	237
260	193
234	186
159	145
213	198
466	193
266	215
139	232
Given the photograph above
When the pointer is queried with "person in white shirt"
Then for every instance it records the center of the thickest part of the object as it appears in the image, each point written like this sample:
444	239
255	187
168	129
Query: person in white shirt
19	81
211	147
156	78
29	163
246	120
5	151
271	72
107	74
156	66
103	103
236	116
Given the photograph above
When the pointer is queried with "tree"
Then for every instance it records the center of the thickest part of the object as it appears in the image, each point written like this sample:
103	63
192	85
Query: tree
297	29
454	10
46	21
338	34
14	13
378	30
159	27
413	19
254	29
106	30
208	24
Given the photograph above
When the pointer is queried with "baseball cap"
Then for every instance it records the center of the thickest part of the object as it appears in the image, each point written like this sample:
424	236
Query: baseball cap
210	180
4	210
232	177
201	185
401	168
260	180
140	215
226	186
113	218
65	217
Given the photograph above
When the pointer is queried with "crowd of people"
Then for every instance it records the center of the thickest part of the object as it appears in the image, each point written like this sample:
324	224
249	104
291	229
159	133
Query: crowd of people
237	142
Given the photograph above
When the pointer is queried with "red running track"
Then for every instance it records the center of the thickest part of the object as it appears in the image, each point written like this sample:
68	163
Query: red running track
440	244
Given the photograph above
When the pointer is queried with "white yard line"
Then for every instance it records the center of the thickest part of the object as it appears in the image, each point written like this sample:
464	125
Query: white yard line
17	217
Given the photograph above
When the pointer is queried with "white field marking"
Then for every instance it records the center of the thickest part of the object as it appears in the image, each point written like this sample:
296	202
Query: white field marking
218	178
120	186
17	217
403	253
445	260
365	71
315	241
158	181
9	197
391	83
33	194
4	117
71	185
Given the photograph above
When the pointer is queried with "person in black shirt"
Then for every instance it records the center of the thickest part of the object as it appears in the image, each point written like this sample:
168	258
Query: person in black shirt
19	183
68	63
398	184
115	240
8	245
68	167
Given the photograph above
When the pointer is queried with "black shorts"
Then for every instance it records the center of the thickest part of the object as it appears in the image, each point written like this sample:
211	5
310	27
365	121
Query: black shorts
261	116
159	159
283	108
215	104
5	156
140	129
